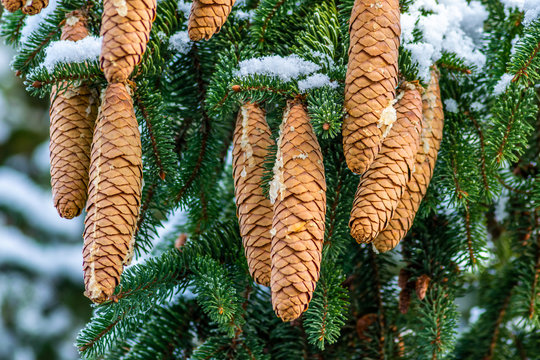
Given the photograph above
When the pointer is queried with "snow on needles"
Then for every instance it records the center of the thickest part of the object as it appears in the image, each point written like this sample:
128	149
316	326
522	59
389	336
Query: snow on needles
31	23
66	51
503	83
315	81
180	42
531	8
453	26
285	68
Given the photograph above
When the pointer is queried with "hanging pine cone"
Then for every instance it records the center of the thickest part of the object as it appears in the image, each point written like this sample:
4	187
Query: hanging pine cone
298	192
73	113
34	7
207	17
371	80
382	186
430	142
125	27
12	5
252	138
114	194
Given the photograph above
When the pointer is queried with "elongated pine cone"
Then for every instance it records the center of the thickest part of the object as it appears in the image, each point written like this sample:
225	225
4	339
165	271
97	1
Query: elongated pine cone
382	186
114	194
432	128
298	192
12	5
207	17
34	7
371	80
73	114
125	27
252	138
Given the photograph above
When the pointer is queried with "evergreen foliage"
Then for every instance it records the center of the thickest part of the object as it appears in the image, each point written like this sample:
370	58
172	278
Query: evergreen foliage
476	233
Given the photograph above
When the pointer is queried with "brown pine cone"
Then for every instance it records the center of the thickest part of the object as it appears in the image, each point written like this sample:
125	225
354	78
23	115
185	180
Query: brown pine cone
12	5
125	27
252	138
114	194
298	192
74	28
371	80
73	114
207	17
432	127
34	7
382	186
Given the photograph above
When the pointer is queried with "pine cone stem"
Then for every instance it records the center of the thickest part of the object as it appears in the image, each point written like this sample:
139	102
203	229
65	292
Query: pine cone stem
371	79
251	141
298	192
114	194
382	186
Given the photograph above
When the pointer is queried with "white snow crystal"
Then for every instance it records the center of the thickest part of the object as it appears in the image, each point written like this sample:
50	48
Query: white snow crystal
315	81
503	83
451	105
180	42
184	7
31	23
66	51
285	68
530	7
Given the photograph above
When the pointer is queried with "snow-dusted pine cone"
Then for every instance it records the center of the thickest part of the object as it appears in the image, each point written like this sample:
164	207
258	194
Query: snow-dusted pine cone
371	79
114	194
125	27
298	192
207	17
73	114
34	6
383	184
430	141
12	5
252	138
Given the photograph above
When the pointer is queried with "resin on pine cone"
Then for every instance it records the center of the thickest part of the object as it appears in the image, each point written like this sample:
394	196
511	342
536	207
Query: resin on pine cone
207	17
114	194
383	184
298	191
34	7
125	27
73	114
430	141
12	5
371	80
251	142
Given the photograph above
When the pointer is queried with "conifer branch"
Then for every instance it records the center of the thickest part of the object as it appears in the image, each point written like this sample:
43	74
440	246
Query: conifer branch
469	235
482	149
497	327
511	120
523	70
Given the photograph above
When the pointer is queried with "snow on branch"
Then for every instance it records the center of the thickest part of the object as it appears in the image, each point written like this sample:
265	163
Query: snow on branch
285	68
66	51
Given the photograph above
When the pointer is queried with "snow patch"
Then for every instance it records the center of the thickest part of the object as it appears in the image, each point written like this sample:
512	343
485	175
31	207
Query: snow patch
531	8
285	68
180	42
451	105
184	7
67	51
316	81
502	84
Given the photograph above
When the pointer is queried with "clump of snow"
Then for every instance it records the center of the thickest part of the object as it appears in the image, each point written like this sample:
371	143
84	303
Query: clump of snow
180	42
451	25
285	68
502	84
66	51
451	105
316	81
31	23
531	8
184	7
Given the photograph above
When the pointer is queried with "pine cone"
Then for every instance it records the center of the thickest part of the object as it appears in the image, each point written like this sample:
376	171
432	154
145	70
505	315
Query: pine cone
125	27
34	7
207	17
74	28
12	5
114	194
252	138
73	114
371	80
382	186
430	142
298	192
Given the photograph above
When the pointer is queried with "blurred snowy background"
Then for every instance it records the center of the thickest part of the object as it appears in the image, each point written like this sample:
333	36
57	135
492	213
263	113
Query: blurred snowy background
41	291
